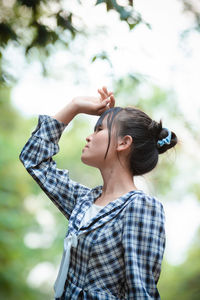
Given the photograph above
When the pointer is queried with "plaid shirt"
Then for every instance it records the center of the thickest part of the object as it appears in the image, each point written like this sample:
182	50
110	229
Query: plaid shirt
120	250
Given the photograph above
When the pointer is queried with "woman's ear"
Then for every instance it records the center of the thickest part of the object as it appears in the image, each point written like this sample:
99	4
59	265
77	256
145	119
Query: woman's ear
124	143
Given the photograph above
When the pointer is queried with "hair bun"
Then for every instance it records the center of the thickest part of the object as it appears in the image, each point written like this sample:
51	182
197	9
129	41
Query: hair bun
164	133
155	129
160	133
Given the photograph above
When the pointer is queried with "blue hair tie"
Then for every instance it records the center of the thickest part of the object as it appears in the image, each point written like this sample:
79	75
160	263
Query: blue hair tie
166	140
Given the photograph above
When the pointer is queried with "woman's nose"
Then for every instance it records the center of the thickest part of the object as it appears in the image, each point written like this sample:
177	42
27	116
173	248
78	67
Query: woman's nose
88	138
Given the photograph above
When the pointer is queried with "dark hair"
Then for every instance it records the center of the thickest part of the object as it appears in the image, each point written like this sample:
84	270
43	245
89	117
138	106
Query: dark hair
145	132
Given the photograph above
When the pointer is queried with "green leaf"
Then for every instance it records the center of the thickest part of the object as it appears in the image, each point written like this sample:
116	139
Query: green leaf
132	26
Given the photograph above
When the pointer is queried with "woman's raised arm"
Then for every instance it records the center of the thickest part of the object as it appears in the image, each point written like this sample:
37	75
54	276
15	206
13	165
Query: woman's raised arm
87	105
37	153
36	157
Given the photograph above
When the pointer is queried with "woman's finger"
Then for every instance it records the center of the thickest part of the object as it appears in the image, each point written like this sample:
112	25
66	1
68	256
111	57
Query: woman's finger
106	91
103	95
104	88
112	101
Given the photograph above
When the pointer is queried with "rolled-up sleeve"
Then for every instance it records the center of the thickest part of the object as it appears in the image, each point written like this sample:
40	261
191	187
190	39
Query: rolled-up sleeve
36	157
144	244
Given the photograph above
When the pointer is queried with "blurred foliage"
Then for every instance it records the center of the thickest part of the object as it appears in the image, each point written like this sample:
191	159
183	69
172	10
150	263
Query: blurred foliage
39	26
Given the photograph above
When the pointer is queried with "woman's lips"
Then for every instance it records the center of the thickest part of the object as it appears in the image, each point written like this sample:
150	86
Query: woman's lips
86	146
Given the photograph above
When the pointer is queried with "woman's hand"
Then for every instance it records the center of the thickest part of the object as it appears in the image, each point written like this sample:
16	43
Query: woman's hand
94	105
105	94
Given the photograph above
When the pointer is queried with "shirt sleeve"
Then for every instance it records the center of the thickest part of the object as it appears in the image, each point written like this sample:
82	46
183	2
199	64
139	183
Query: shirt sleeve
36	157
143	243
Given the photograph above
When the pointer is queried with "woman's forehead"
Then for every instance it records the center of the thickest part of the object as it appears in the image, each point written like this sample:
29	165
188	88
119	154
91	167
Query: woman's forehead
107	119
102	121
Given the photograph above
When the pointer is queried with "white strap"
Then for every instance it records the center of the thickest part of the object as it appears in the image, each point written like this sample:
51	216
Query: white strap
70	241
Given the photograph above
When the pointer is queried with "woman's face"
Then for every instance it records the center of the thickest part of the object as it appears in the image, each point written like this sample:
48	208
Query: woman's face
94	151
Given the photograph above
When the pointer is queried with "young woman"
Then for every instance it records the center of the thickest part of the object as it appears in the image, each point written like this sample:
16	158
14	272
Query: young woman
115	241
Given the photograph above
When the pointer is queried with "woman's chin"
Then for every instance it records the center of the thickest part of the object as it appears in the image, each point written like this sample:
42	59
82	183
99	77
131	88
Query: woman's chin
87	161
84	160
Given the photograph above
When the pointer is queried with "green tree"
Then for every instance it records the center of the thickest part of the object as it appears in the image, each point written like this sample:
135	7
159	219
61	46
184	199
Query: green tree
40	26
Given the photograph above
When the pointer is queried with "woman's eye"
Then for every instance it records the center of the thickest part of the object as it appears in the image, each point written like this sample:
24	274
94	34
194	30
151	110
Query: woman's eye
98	129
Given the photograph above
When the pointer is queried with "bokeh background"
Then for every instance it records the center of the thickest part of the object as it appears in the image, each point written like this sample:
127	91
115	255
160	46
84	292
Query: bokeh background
147	52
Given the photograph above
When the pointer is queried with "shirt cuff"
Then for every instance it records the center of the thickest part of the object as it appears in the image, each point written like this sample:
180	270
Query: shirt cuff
49	128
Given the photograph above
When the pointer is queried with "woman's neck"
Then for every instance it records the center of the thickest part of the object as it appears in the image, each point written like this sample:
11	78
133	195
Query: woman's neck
117	181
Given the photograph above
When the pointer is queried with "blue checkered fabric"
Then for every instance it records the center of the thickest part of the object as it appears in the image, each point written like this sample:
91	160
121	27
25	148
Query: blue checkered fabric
120	250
